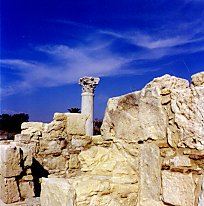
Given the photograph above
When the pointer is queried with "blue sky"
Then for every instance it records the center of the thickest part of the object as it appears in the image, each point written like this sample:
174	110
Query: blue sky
46	46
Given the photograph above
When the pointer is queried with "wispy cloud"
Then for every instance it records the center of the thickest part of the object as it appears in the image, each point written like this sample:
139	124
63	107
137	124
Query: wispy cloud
68	65
97	56
73	23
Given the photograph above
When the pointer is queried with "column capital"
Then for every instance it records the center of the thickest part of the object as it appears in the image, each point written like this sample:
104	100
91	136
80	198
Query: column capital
89	84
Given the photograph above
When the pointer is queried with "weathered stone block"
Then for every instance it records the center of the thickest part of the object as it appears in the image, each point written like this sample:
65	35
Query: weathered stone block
8	190
178	189
80	141
10	161
180	161
54	163
198	79
22	137
27	155
54	126
26	189
76	124
56	192
73	161
188	107
128	117
50	147
60	116
201	196
149	174
36	125
107	162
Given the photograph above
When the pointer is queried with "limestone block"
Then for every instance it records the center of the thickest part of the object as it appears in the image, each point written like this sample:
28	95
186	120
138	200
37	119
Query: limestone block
22	138
80	141
108	162
10	161
33	129
8	190
135	117
54	134
34	201
28	125
180	161
188	107
54	163
26	189
178	189
201	196
167	83
149	174
73	161
50	147
87	186
76	124
167	152
60	116
27	178
106	200
56	192
124	190
151	202
97	139
27	155
54	126
198	79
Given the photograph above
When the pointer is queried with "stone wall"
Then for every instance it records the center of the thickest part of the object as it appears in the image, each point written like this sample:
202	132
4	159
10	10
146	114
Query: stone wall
151	152
40	150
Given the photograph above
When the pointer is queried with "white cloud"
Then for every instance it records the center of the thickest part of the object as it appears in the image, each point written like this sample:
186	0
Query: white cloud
96	57
69	64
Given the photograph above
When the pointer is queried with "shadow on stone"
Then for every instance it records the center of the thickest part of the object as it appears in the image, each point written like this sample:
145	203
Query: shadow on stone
38	172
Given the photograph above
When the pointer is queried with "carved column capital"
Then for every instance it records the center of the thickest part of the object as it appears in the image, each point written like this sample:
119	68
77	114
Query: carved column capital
89	84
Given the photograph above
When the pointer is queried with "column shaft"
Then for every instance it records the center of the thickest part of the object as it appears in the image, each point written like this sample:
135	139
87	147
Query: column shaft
87	108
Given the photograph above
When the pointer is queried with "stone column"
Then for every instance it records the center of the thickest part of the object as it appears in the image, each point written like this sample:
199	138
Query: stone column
87	104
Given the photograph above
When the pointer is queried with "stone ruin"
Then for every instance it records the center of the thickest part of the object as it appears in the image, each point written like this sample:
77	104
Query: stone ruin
150	153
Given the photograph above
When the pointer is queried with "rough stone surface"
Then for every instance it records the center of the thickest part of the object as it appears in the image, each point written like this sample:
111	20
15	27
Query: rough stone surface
9	161
56	192
28	125
8	190
60	116
26	189
198	79
178	189
108	162
149	174
73	161
180	161
188	107
127	117
76	124
201	196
